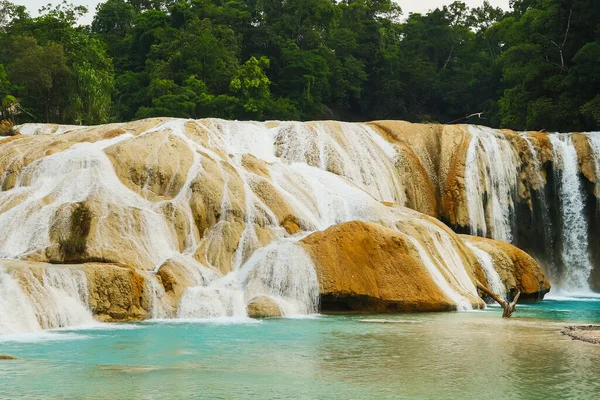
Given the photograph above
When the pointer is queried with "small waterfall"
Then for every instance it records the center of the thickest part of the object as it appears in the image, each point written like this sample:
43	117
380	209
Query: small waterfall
156	293
491	275
286	273
54	297
282	271
354	151
461	301
214	301
574	253
491	174
17	314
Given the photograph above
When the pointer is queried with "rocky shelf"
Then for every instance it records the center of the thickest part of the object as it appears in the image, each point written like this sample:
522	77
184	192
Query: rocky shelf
586	333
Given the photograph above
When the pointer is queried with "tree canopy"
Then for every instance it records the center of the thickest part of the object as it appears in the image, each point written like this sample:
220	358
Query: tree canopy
532	67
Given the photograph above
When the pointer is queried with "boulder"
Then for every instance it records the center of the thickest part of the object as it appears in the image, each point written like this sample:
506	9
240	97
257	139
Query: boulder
517	269
263	307
367	267
117	293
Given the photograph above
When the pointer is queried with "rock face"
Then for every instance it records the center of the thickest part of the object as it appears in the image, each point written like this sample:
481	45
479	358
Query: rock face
263	307
153	215
589	333
117	293
367	267
517	269
58	294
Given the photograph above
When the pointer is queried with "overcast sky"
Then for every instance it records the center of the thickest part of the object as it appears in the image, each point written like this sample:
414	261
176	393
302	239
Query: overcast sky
408	6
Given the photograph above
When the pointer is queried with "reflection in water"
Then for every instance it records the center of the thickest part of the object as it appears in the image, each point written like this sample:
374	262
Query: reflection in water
424	356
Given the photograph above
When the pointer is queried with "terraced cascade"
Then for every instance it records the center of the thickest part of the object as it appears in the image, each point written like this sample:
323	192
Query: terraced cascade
170	218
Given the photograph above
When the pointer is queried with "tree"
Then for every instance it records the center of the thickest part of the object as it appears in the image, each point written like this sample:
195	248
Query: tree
509	307
252	86
44	77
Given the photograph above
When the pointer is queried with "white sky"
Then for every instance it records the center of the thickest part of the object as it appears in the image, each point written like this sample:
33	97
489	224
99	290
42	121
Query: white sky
408	6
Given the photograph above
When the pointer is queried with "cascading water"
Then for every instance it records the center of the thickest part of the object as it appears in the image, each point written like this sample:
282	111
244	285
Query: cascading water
285	273
233	246
574	246
492	167
52	298
491	275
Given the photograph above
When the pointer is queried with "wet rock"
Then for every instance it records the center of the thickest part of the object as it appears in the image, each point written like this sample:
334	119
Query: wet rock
367	267
263	307
589	333
517	269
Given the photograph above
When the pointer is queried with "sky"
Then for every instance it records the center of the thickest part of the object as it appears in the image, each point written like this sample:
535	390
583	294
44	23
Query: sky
408	6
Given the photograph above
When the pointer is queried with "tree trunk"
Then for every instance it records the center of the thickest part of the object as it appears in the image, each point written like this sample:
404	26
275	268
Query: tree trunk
509	308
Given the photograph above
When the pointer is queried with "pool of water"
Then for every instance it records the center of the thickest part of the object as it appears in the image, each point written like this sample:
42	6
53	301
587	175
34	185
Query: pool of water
462	355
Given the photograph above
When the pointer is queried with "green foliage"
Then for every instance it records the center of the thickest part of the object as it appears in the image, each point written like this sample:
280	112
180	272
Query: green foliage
532	67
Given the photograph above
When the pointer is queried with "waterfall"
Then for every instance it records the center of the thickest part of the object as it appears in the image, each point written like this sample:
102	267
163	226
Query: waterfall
574	246
286	273
17	314
354	151
282	271
214	301
54	297
229	197
491	173
491	275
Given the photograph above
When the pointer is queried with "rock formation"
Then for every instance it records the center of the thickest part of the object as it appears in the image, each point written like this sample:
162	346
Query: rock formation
263	307
366	267
517	269
166	217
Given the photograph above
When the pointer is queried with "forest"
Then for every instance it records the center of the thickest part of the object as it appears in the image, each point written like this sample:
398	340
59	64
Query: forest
532	67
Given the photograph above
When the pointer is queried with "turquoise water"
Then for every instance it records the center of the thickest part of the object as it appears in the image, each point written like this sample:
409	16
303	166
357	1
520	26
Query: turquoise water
465	355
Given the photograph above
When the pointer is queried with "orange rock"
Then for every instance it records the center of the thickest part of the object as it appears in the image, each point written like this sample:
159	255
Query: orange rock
366	267
517	269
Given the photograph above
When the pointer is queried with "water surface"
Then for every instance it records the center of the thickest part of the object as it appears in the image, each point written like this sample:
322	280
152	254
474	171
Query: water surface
426	356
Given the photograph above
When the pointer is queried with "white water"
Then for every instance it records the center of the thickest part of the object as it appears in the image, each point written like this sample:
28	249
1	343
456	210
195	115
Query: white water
574	252
285	273
57	298
491	173
491	275
326	172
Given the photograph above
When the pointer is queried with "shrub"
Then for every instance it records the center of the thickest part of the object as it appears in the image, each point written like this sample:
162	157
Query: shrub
74	246
7	128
